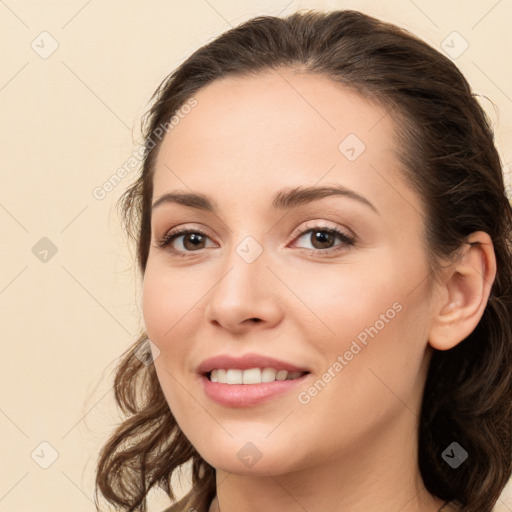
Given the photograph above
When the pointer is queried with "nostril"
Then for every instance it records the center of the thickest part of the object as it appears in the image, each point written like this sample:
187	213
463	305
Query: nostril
256	320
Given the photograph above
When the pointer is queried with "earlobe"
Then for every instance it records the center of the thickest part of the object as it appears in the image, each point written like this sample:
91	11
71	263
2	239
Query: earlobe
464	292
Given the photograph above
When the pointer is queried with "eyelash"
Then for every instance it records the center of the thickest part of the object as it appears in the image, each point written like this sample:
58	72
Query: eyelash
347	240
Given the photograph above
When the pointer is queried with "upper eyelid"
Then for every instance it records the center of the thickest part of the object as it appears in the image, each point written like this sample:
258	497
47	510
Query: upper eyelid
302	228
319	225
312	209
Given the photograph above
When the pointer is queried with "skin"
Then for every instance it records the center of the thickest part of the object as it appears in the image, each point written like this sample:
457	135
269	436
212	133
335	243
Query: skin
353	447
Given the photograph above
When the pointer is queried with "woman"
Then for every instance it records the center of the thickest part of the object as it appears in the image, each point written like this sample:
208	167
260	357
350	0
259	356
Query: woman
325	246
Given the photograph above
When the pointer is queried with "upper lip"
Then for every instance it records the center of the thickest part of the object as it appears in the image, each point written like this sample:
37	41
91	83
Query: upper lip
245	362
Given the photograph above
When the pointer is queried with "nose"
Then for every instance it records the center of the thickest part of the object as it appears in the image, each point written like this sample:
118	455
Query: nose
246	296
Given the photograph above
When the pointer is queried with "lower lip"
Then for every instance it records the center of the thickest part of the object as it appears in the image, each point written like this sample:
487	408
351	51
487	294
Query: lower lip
247	395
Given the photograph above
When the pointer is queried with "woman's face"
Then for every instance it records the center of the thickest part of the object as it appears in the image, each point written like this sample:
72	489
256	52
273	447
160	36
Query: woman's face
266	279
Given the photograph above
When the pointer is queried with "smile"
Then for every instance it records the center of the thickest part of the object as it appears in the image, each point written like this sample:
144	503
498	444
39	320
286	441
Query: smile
252	375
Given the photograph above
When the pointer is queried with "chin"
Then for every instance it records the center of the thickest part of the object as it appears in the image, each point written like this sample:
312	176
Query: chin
263	466
259	457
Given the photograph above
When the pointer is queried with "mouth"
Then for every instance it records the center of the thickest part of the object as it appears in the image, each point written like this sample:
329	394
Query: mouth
235	388
250	379
251	376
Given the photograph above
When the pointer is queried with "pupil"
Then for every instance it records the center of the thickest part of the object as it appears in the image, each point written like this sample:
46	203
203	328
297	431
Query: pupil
324	238
194	238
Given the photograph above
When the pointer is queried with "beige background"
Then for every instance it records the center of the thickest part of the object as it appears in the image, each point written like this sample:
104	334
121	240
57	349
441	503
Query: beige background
69	120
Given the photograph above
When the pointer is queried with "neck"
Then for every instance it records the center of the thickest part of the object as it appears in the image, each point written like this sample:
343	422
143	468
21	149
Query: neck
382	475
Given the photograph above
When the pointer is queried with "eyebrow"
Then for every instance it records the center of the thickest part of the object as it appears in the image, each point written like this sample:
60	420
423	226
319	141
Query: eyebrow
283	200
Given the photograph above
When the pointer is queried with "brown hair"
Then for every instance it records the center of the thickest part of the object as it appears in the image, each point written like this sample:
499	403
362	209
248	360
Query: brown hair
450	160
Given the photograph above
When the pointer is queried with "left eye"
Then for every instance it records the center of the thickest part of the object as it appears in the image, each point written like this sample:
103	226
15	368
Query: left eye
322	239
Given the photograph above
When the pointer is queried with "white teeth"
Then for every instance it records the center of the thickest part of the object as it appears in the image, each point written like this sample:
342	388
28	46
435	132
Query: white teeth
234	377
251	376
281	375
268	375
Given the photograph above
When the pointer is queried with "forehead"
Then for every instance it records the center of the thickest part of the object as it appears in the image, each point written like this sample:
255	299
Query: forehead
276	129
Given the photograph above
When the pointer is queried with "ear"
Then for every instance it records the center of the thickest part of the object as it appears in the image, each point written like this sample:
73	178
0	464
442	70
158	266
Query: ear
463	292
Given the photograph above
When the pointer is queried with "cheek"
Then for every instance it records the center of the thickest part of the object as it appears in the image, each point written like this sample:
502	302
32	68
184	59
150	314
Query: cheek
347	300
154	305
375	318
167	311
372	367
167	300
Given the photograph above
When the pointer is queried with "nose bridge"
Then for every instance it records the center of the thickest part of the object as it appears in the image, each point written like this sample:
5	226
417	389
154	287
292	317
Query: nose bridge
242	291
244	271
